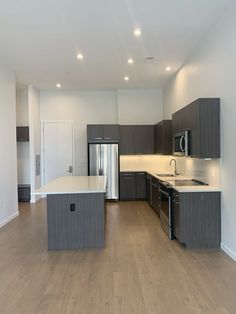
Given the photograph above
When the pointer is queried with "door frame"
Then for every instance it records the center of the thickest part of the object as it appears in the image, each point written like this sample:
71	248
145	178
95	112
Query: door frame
42	146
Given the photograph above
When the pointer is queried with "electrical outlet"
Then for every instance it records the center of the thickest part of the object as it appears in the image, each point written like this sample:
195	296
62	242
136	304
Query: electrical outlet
72	207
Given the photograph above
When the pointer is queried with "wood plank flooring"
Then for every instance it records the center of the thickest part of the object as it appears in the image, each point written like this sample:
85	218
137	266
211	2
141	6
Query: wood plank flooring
139	272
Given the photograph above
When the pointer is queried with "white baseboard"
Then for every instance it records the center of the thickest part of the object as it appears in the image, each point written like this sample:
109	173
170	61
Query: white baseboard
35	198
5	221
229	252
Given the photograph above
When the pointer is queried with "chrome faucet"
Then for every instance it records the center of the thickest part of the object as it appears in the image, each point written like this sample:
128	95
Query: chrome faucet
176	172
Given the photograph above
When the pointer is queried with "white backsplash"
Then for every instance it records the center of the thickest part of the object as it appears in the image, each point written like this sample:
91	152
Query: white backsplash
205	170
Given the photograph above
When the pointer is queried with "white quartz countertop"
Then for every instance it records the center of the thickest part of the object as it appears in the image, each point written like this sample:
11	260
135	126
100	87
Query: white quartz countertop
190	188
74	185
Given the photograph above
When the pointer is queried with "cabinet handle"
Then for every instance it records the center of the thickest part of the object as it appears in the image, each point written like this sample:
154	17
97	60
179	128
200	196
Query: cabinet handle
107	138
98	138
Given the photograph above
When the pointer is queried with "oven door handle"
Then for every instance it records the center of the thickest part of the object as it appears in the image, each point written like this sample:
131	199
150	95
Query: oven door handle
165	193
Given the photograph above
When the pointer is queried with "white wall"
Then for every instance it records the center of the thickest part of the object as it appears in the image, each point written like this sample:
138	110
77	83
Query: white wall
35	137
87	107
22	119
211	72
8	171
139	106
83	107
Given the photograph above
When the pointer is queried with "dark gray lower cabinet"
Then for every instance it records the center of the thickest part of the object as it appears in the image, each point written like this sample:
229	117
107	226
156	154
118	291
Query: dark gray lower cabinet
23	193
76	221
133	186
149	188
127	186
197	219
156	199
141	189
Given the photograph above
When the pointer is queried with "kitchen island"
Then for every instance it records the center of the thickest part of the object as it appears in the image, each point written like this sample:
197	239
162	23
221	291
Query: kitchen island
75	212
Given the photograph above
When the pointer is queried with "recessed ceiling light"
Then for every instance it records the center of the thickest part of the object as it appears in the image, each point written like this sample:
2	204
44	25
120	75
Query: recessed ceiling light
58	85
137	32
130	61
126	78
168	68
80	56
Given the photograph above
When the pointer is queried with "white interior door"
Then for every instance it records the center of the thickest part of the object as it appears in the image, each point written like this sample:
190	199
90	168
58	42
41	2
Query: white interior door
58	142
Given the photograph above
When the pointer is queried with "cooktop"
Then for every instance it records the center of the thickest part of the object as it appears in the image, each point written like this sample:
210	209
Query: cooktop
186	182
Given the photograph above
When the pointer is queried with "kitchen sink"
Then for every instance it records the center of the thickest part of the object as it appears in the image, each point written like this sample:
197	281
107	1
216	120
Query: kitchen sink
165	175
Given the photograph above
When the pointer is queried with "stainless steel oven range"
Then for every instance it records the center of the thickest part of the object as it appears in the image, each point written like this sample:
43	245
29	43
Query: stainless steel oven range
165	213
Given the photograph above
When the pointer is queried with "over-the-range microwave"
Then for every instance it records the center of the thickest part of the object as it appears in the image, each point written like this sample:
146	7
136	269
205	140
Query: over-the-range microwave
181	143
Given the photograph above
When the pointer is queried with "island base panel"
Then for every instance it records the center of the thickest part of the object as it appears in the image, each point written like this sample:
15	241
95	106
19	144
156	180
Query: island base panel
76	221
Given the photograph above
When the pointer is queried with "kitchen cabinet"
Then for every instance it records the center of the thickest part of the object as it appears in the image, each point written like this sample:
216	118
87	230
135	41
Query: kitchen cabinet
133	186
149	188
102	132
22	133
202	118
156	198
141	189
196	219
163	138
127	186
136	139
24	193
127	140
144	139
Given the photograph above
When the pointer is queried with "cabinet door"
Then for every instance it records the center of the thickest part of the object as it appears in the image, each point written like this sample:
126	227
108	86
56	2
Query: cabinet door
159	138
144	139
163	138
95	132
127	186
22	133
156	198
141	192
111	132
148	188
176	215
127	139
175	122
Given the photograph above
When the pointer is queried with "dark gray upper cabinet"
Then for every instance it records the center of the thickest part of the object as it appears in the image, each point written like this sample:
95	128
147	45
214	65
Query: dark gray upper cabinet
22	133
136	139
126	140
202	118
102	132
144	139
163	137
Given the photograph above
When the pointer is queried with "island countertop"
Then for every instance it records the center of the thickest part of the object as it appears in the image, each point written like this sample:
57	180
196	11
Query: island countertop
74	185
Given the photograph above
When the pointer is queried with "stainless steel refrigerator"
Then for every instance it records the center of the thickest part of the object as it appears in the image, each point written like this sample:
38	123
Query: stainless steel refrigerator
104	160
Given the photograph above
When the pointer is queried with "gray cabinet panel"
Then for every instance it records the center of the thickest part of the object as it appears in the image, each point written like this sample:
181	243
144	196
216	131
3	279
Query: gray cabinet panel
197	219
76	227
102	132
22	133
111	132
127	140
141	190
136	139
127	186
202	118
163	138
144	139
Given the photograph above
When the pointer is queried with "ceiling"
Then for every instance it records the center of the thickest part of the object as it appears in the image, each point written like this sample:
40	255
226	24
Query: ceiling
40	40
